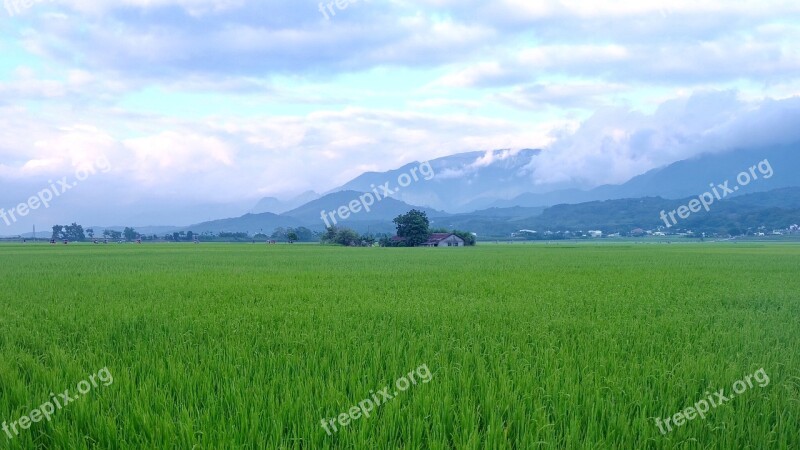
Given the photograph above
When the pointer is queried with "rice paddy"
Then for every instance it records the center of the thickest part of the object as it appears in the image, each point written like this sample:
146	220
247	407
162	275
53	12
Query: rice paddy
529	346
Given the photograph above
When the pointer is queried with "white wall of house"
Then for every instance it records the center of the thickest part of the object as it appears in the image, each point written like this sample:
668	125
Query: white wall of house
452	241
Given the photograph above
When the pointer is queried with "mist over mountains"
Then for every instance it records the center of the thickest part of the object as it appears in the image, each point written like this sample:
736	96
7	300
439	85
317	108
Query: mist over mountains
472	181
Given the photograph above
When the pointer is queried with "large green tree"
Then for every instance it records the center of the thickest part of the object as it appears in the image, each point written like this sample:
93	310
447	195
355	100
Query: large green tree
58	232
414	226
72	232
76	233
130	234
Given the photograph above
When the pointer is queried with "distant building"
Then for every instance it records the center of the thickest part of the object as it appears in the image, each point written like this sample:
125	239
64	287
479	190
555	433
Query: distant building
443	240
595	233
436	240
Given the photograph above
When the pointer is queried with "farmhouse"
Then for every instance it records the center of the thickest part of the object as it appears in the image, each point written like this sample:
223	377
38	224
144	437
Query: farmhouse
443	240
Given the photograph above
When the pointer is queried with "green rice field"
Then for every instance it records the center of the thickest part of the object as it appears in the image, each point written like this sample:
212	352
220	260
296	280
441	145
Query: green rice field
568	346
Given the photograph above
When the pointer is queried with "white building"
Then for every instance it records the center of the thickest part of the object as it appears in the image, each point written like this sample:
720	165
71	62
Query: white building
443	240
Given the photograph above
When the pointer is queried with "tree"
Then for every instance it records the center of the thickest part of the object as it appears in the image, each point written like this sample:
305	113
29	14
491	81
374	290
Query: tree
58	232
367	240
414	226
130	234
90	233
236	236
189	236
341	236
279	234
176	236
347	237
304	234
74	233
111	234
291	236
329	236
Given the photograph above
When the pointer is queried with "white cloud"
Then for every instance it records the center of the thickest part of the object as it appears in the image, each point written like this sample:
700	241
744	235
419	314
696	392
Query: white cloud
616	144
172	154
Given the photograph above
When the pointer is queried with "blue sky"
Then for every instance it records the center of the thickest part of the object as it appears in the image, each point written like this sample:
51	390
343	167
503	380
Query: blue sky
226	101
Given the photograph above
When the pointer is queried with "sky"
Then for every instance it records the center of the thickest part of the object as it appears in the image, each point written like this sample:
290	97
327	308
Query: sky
176	111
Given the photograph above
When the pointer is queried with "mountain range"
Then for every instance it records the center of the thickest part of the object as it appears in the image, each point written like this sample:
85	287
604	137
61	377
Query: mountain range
473	181
492	193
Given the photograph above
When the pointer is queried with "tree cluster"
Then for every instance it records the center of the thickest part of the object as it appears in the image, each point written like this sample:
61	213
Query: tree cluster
113	235
188	236
300	234
346	237
72	232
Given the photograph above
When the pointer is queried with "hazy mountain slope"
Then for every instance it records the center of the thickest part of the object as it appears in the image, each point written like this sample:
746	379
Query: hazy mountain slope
252	223
277	206
462	182
384	210
693	176
479	180
685	178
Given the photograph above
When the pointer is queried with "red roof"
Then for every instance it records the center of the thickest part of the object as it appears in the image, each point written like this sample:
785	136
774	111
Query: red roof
437	237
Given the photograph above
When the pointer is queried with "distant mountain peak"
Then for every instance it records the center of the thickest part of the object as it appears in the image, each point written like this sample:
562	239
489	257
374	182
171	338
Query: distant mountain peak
277	206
